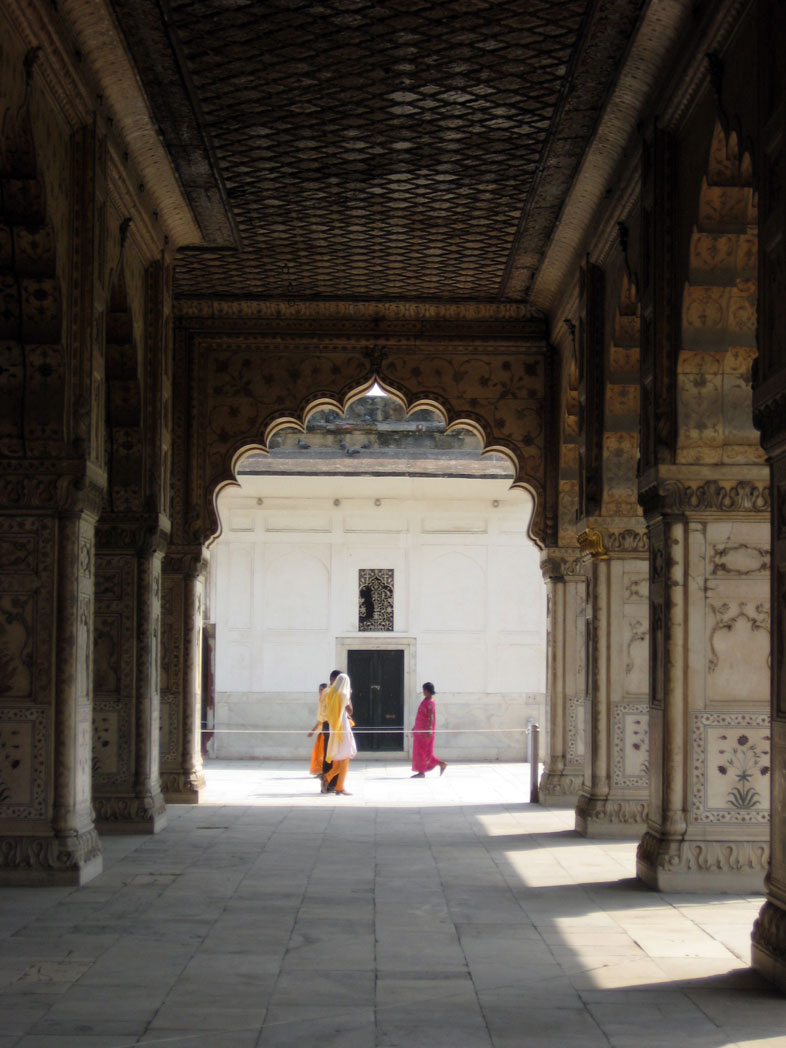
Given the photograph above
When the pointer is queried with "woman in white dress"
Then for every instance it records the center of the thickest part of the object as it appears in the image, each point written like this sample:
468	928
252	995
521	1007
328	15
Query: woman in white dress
341	745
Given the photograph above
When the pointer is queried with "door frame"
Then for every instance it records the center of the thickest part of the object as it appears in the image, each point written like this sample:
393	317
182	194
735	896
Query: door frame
387	642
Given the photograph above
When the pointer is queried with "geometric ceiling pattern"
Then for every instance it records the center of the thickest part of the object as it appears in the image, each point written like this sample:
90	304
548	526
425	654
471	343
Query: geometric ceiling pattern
371	148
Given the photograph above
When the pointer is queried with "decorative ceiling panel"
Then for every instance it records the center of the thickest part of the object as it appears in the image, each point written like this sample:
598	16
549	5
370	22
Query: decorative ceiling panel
381	148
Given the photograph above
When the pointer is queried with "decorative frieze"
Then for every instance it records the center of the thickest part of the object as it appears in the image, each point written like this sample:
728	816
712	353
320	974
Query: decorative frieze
711	496
599	816
51	860
700	856
129	812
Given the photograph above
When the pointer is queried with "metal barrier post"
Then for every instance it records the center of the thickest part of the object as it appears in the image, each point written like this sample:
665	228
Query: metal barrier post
534	764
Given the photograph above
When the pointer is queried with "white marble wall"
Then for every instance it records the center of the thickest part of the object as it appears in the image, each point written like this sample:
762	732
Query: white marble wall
469	606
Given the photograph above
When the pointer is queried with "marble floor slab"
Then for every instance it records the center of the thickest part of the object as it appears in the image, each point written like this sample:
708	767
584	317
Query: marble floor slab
445	911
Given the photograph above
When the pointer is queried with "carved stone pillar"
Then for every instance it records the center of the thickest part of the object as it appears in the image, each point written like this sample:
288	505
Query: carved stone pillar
613	798
564	766
768	952
769	402
184	577
47	557
708	827
126	785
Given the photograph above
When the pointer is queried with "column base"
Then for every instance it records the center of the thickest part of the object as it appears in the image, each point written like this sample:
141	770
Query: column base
610	817
182	787
46	861
768	944
130	814
692	865
560	789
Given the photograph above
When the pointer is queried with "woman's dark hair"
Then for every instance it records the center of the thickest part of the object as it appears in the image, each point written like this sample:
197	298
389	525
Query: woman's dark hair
429	687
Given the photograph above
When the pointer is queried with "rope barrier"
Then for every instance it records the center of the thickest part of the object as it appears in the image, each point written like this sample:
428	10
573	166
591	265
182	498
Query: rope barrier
357	731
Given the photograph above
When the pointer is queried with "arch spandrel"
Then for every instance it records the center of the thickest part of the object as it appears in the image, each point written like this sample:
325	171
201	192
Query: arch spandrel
253	386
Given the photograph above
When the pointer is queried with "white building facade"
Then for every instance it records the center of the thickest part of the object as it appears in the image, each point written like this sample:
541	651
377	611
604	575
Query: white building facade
464	607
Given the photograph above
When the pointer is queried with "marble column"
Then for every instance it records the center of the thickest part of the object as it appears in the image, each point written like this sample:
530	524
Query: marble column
613	798
768	953
566	684
126	786
710	759
769	406
183	580
47	558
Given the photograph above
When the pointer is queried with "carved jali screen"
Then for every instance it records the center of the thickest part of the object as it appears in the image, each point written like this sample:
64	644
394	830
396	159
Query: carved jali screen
375	599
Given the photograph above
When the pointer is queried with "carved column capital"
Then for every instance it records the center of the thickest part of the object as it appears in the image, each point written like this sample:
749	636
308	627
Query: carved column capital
142	533
680	490
558	562
188	561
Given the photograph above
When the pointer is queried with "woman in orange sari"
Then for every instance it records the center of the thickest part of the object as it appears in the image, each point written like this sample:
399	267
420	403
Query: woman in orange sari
319	761
341	744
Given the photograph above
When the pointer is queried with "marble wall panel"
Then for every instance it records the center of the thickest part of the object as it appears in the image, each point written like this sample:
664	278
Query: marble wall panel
631	756
737	550
699	408
713	258
107	762
620	457
240	580
742	314
27	591
292	664
624	359
724	206
238	662
635	626
17	617
84	756
299	586
24	770
731	767
169	729
107	651
453	664
705	317
454	587
575	724
241	520
738	645
622	402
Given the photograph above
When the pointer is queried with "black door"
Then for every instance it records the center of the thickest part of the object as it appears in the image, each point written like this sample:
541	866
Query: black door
377	698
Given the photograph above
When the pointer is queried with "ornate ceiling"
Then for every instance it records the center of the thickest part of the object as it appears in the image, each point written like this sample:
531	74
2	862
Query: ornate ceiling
374	149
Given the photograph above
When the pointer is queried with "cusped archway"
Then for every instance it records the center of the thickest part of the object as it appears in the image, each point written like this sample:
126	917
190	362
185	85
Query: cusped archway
247	369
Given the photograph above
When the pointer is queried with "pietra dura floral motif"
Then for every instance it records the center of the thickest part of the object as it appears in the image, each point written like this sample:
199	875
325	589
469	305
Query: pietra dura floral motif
731	758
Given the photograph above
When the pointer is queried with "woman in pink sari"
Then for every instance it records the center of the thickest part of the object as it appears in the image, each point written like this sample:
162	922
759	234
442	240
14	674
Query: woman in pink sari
423	758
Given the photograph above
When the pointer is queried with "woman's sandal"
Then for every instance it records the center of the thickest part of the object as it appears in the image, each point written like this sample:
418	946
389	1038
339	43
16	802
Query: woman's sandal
442	766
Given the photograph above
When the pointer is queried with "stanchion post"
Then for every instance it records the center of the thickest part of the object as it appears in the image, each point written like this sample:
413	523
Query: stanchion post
534	764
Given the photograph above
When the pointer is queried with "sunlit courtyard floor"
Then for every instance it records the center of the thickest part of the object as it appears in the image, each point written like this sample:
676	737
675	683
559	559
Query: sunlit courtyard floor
436	913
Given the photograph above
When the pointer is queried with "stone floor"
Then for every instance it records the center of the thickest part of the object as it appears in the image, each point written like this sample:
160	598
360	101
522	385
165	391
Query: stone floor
437	912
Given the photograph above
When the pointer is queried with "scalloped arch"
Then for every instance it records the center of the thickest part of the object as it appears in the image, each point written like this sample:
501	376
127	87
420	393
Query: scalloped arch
452	419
